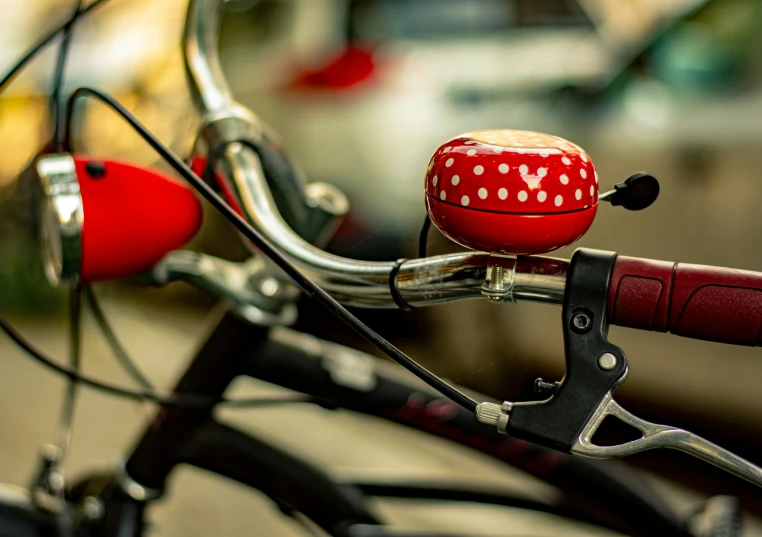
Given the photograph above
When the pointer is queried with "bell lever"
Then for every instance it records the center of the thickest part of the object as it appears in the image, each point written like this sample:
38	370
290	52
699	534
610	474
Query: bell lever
570	417
638	192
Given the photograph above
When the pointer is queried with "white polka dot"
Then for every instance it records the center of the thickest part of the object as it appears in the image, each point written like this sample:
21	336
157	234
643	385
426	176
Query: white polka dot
471	152
542	196
497	150
542	172
578	194
583	157
544	153
449	162
502	193
447	149
559	200
470	142
478	170
592	190
524	169
523	196
443	195
564	179
583	174
521	151
482	193
455	179
596	178
464	200
503	168
435	180
566	160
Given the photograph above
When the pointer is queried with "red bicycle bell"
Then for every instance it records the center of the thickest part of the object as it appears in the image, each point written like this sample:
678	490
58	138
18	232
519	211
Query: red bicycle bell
511	192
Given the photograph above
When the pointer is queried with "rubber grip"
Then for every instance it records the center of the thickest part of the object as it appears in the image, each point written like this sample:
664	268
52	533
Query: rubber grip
696	301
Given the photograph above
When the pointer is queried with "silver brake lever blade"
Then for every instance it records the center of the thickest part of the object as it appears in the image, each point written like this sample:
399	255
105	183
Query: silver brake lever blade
659	436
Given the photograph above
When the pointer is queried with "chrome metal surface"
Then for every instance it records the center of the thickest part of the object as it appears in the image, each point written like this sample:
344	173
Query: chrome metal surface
132	488
498	284
362	283
209	88
607	361
62	218
250	287
606	196
657	436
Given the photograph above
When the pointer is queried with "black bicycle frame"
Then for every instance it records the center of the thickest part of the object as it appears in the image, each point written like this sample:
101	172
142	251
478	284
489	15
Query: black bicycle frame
603	492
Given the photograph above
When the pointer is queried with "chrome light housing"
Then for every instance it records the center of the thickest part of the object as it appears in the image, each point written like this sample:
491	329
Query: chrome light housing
62	218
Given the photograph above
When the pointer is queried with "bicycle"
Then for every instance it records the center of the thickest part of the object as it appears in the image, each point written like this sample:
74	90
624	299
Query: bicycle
263	196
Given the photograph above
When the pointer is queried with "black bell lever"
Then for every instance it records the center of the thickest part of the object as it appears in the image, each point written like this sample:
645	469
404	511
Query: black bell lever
639	191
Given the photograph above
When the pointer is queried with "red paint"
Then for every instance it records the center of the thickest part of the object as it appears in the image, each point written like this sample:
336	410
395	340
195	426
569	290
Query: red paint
133	217
349	69
514	192
711	303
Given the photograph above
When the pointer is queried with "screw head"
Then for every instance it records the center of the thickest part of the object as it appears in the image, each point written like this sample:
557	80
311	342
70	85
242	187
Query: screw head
607	361
581	322
269	287
96	169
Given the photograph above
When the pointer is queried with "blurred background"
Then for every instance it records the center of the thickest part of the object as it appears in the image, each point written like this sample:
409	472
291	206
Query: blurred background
362	92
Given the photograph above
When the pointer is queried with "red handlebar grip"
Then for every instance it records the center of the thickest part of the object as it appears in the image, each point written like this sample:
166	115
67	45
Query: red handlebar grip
702	302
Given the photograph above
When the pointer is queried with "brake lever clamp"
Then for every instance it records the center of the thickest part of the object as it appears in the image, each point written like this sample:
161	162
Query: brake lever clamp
595	368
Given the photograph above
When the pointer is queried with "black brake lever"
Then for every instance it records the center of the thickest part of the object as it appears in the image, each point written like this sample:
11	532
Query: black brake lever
595	368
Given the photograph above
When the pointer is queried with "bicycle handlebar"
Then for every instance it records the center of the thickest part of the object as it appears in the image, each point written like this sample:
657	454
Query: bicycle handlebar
696	301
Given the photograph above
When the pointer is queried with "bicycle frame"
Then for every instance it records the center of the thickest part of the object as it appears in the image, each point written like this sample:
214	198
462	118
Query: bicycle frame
235	347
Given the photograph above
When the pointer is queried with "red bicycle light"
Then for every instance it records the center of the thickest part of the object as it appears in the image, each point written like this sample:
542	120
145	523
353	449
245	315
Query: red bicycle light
512	192
104	220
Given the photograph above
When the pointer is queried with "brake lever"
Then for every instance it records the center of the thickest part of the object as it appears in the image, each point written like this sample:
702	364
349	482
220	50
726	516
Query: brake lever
595	368
657	436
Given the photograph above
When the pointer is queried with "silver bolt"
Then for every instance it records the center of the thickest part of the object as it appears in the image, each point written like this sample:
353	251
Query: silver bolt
607	361
581	322
269	287
93	508
498	282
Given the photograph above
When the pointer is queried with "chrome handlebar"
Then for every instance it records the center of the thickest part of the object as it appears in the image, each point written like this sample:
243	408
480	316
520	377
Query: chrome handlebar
236	131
